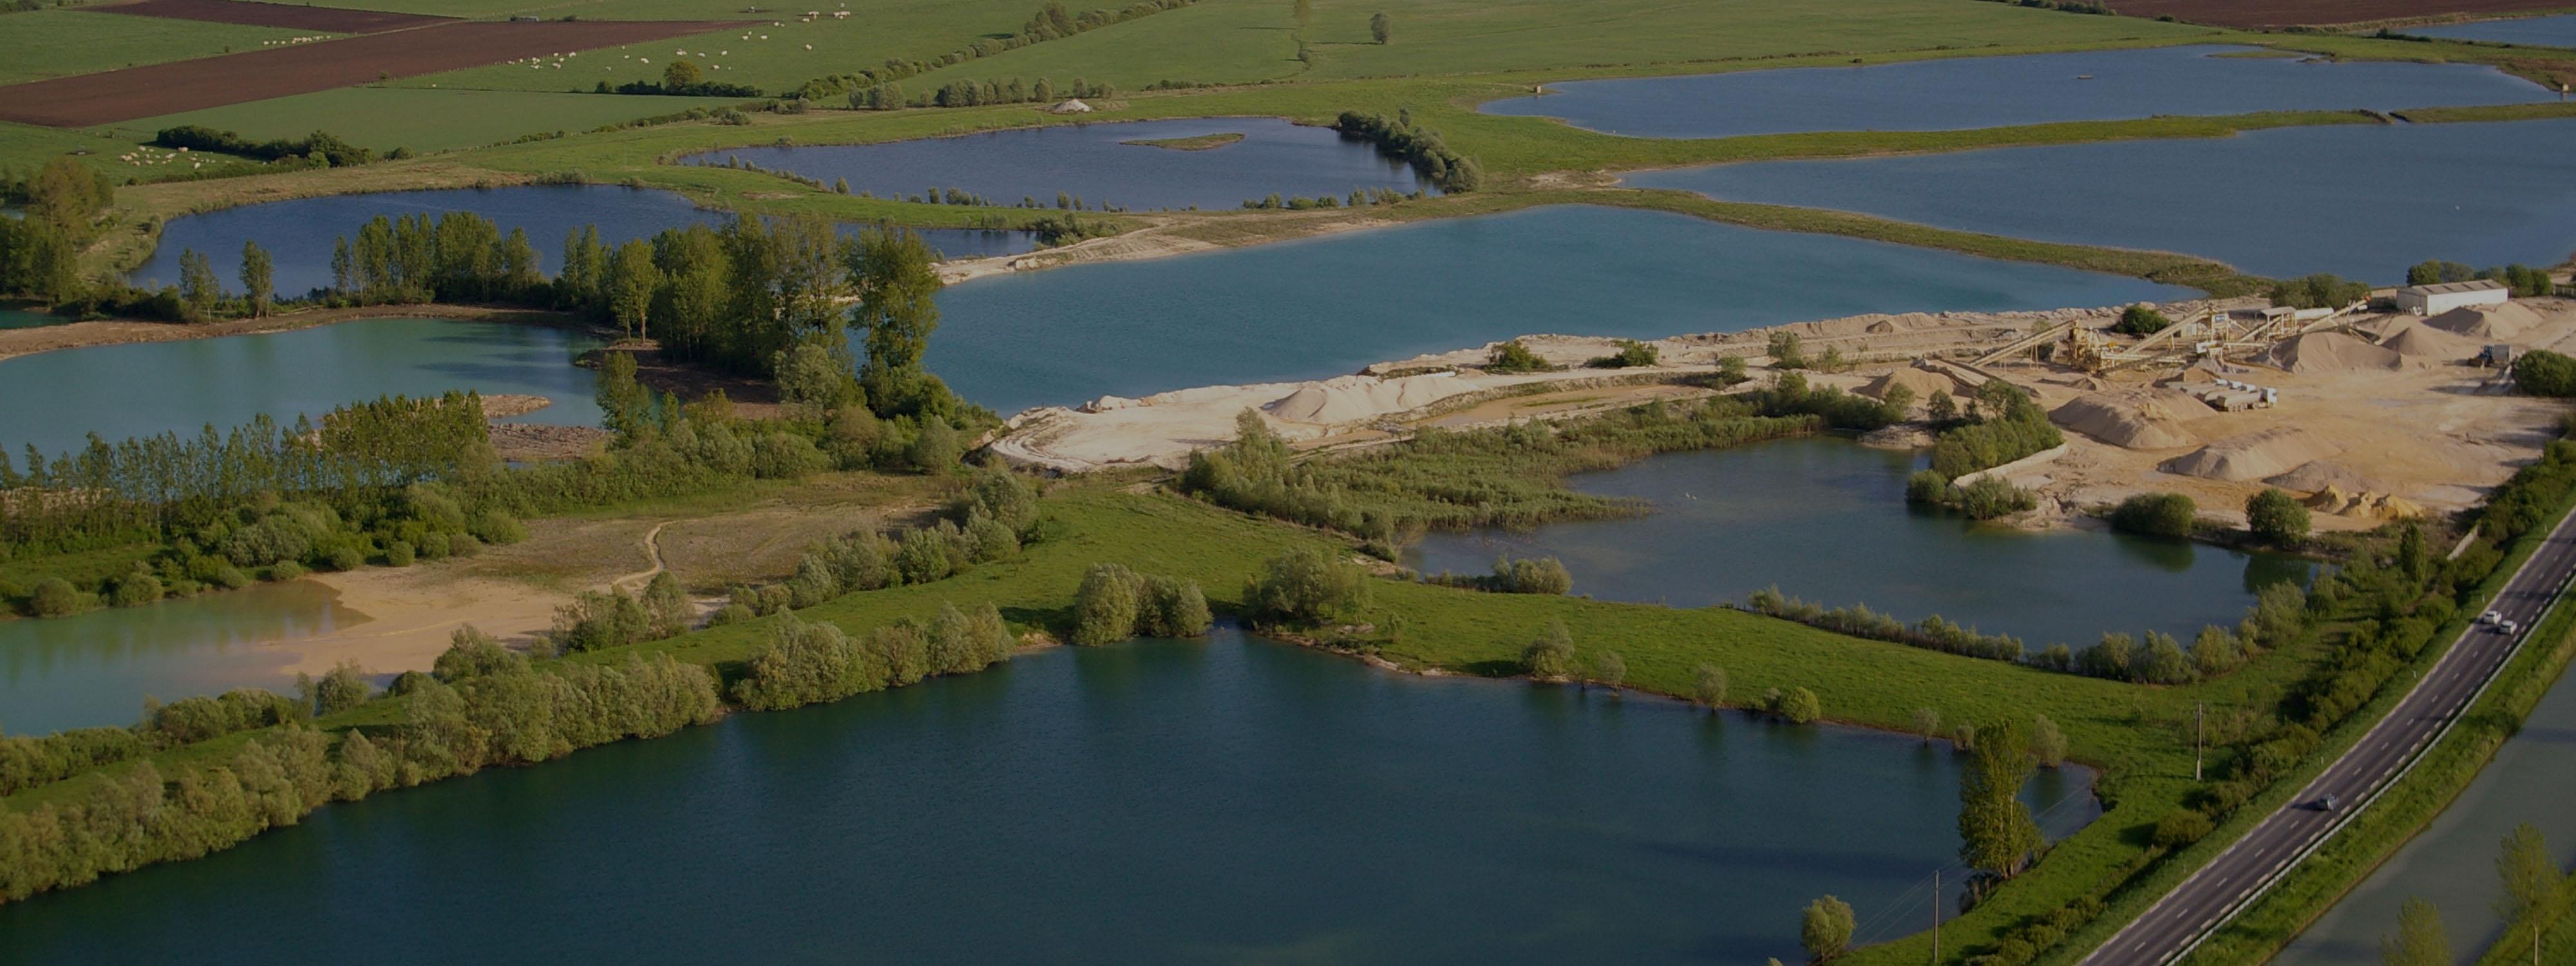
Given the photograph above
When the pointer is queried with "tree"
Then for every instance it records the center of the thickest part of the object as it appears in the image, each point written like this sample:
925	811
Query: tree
2156	515
2047	743
2420	939
892	270
1826	928
2541	372
1611	670
2276	517
1551	656
1787	351
2141	320
1799	706
198	285
1306	586
1106	606
632	279
1708	686
256	270
2531	883
1380	28
345	687
1997	835
1927	723
681	76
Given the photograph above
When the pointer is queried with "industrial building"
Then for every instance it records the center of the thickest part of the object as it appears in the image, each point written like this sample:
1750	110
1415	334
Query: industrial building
2443	297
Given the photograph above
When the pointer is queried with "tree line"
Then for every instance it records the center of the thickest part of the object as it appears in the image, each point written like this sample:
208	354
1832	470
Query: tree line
319	146
2522	280
1400	138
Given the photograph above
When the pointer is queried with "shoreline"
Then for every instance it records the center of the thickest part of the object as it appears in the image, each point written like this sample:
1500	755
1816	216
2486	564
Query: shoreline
15	343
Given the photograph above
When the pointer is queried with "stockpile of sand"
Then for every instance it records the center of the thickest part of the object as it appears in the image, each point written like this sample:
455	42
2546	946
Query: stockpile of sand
2254	456
2133	418
2424	341
2490	322
2375	506
2317	476
1352	398
2331	352
1924	382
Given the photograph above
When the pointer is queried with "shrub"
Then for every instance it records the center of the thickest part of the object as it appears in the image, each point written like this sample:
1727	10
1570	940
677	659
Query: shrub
471	653
1799	706
345	558
1632	354
494	526
286	570
1514	356
136	589
2047	743
2276	518
2156	515
1106	605
2140	320
1306	587
2181	827
2541	372
1551	656
399	554
1708	686
53	597
1825	929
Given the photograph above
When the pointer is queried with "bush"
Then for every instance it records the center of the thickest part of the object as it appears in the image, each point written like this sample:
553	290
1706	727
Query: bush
1799	706
1551	656
53	597
2276	518
2181	827
494	526
399	554
1106	605
286	570
2156	515
1513	356
136	589
2139	320
345	558
2541	372
1306	587
1632	354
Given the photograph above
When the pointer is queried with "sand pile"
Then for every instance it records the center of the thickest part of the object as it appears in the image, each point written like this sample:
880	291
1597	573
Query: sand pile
2493	323
1924	382
1352	398
2319	475
2424	341
2331	352
2375	506
2133	418
2254	456
507	404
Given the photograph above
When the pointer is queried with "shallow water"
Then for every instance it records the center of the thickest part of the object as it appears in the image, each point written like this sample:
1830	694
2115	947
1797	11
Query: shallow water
2362	201
1326	306
299	234
2452	864
95	669
53	399
1977	92
2558	31
1089	161
1825	519
1233	800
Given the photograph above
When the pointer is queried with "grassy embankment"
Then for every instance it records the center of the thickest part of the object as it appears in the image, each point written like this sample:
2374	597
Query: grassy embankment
2407	807
2133	900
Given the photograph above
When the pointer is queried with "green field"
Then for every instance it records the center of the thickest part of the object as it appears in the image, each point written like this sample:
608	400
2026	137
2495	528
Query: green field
385	118
876	31
1239	41
55	43
25	147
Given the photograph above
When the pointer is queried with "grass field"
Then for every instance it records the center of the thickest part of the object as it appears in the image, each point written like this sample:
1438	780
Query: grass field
57	43
1240	41
878	30
423	120
25	147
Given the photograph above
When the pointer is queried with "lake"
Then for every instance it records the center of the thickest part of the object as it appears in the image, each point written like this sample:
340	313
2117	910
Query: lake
2558	31
2362	201
1825	519
1093	162
96	668
52	399
1322	307
1231	800
299	234
1976	92
2452	863
27	319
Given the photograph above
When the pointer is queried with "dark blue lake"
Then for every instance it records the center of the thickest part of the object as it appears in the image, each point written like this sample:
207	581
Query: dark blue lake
2363	201
1975	92
1094	162
1231	800
2558	31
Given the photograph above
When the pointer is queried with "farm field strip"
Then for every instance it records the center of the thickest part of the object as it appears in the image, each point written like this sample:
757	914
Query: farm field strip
325	19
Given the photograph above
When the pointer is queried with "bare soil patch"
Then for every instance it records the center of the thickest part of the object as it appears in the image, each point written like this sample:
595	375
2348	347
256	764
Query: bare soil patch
327	19
2260	14
190	85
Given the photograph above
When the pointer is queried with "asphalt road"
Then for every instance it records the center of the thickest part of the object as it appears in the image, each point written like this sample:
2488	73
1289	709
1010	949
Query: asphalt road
2177	922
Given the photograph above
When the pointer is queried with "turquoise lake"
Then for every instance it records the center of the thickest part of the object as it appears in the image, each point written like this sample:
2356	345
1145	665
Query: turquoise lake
2362	201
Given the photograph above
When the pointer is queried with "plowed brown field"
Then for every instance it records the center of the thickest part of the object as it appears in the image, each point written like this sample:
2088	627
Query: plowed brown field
325	19
189	85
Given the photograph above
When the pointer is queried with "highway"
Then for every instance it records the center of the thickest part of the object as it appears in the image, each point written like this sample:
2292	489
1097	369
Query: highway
2178	922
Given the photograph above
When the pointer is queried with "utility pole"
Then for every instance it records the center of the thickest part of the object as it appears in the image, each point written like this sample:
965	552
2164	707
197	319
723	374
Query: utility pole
1936	919
2199	727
